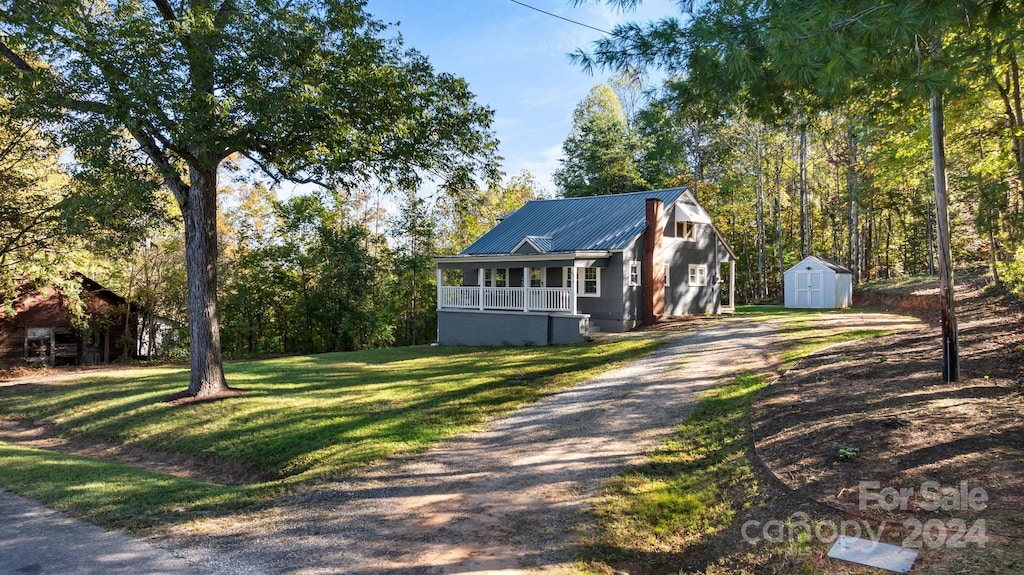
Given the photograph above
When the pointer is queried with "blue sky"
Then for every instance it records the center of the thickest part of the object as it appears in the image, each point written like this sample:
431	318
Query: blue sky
515	60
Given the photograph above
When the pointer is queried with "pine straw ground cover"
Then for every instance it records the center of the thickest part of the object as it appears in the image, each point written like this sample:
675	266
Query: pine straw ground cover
110	450
705	502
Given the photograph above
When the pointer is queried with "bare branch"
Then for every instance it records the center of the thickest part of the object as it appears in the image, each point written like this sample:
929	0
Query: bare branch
277	176
15	59
165	10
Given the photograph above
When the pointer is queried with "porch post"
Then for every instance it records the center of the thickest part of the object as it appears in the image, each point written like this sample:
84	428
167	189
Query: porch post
575	287
526	289
480	282
732	284
440	286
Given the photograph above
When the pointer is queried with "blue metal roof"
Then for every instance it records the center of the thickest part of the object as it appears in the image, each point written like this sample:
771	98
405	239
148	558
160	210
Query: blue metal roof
575	224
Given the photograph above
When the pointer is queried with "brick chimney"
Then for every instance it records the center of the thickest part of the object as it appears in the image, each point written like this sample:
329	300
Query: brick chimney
652	267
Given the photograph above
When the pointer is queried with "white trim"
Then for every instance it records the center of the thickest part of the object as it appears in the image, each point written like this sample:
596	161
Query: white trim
668	273
579	284
548	257
701	278
633	276
690	231
574	279
596	280
533	244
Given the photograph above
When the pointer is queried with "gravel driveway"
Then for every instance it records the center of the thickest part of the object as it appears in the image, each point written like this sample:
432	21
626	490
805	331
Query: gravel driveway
506	499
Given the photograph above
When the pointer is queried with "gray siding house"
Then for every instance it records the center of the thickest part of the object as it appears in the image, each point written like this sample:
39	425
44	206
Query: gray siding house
555	270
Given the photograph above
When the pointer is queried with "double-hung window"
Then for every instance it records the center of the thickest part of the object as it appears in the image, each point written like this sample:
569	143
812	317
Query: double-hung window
634	273
495	277
698	275
589	281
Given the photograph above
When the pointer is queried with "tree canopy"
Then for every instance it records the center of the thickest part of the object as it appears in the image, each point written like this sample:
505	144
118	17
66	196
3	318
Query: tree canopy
600	150
311	91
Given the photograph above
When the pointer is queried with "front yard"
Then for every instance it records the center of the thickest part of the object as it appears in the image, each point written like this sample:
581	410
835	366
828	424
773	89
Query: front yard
875	411
303	420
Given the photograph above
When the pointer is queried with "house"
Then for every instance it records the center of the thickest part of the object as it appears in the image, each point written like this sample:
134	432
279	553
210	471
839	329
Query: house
556	269
42	330
817	283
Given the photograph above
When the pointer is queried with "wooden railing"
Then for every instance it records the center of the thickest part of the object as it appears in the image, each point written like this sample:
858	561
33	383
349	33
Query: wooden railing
506	298
460	297
503	298
550	299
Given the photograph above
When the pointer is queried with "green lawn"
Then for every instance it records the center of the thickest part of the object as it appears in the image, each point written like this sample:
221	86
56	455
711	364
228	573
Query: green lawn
304	419
680	511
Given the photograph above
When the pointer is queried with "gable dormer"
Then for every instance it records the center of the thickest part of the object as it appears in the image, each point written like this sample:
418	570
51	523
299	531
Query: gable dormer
687	217
533	245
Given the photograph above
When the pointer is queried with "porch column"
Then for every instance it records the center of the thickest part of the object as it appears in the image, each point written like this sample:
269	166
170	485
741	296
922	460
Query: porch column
480	282
440	286
732	284
575	287
526	289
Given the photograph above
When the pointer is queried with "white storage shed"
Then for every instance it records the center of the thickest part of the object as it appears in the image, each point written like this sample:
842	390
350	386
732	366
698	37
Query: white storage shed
819	284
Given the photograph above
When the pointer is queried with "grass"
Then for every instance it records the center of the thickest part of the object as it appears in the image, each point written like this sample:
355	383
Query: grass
896	282
663	513
766	311
682	510
304	419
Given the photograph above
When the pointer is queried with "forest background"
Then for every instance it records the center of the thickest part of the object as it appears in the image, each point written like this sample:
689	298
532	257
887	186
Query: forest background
783	172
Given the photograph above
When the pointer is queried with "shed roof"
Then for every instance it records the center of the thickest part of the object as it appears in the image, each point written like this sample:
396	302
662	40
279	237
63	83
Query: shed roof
823	262
589	223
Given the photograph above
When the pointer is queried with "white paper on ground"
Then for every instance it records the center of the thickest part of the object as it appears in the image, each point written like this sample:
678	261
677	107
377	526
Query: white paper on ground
873	554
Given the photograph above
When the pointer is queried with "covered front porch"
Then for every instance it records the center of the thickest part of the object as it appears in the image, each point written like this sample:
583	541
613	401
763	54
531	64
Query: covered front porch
518	298
525	299
497	283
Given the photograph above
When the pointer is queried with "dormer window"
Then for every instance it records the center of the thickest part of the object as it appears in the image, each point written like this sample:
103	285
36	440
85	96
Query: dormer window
686	231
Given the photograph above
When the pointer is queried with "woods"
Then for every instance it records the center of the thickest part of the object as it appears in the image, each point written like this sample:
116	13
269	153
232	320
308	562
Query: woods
148	144
901	79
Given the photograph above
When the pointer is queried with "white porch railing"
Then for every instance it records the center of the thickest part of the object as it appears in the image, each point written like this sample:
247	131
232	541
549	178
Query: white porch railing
550	299
460	297
503	298
506	298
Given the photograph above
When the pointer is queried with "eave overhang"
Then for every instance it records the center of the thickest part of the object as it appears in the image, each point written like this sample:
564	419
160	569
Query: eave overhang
545	257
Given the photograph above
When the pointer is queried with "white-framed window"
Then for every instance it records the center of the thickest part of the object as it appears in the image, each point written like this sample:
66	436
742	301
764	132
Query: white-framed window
589	278
698	275
591	284
686	231
538	277
634	273
495	277
668	273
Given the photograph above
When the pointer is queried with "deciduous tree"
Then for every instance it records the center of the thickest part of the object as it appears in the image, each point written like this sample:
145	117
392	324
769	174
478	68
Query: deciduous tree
308	90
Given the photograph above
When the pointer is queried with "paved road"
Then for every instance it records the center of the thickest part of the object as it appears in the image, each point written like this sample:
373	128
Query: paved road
35	540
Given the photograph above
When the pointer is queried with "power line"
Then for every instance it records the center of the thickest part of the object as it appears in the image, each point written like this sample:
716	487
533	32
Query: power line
560	17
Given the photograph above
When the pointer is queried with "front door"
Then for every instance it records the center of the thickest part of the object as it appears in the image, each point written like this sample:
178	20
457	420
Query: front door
808	289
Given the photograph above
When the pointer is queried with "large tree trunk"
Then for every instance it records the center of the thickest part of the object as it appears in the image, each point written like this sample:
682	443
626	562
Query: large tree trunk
805	202
950	337
1017	118
762	286
200	213
853	255
779	248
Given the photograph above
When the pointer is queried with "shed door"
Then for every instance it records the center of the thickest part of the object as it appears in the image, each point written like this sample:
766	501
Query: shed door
808	289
